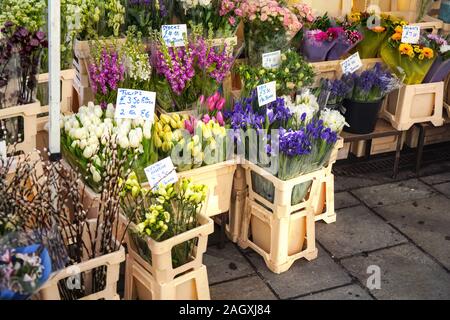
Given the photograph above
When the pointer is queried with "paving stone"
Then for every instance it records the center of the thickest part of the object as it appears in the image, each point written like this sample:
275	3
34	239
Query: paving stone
226	264
304	276
426	222
345	183
393	193
356	230
437	178
251	288
444	188
406	273
351	292
344	200
435	168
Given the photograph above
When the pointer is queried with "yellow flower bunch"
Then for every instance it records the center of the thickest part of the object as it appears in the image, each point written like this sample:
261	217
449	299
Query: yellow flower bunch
416	50
165	126
355	16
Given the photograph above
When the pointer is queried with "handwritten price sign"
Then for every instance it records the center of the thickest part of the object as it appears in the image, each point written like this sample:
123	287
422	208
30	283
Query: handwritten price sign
173	34
351	64
161	172
267	93
271	59
411	34
132	104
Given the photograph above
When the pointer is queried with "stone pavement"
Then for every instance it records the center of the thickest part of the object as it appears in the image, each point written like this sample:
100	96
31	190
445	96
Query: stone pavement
401	226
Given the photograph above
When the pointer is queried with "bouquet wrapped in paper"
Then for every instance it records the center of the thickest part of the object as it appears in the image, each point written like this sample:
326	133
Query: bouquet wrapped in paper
441	66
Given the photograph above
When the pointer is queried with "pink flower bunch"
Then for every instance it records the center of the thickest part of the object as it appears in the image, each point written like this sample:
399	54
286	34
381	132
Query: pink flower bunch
303	12
329	35
190	124
177	66
212	107
107	73
232	9
272	12
353	36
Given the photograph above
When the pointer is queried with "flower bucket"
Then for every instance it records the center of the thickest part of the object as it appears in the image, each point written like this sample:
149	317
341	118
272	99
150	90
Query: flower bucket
369	47
414	71
438	71
361	116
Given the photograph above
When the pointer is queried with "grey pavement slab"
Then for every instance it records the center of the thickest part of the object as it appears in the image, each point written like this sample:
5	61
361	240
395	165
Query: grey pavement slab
251	288
304	276
351	292
437	178
226	264
344	200
405	273
393	193
345	183
356	230
444	188
424	221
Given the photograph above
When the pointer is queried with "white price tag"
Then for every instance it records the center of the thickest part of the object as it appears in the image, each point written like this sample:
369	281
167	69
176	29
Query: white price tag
267	93
161	172
411	34
174	34
3	152
271	59
132	104
351	64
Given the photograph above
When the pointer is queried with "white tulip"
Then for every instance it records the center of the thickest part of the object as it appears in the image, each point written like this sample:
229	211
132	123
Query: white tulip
99	130
72	132
139	133
90	105
88	152
98	111
95	174
75	143
75	123
82	110
82	144
134	139
67	126
138	122
123	141
93	140
147	129
110	111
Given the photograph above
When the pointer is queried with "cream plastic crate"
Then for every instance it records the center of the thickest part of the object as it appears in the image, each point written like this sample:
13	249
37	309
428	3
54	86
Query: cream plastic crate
335	8
161	271
344	152
28	113
277	231
67	77
432	135
111	261
219	180
379	146
415	104
237	208
332	69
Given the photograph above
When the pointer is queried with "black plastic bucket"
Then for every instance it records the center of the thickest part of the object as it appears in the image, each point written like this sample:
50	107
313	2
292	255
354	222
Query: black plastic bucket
361	116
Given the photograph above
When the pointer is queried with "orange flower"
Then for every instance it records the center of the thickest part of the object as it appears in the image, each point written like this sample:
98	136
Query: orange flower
399	29
378	29
396	36
428	53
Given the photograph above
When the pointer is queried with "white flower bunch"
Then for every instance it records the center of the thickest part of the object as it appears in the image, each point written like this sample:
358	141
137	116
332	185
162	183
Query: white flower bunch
300	108
333	119
189	4
444	48
307	98
137	60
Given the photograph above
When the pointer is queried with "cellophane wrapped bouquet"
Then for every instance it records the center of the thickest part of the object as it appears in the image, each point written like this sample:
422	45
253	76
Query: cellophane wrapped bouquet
292	134
164	212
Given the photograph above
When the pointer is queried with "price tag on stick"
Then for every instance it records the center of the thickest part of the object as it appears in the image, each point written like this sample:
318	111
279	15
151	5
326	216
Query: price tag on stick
174	34
161	172
411	34
351	64
271	59
267	93
132	104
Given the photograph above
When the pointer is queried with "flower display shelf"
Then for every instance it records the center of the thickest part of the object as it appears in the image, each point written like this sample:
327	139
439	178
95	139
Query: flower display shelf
159	279
111	262
67	77
29	113
433	135
277	230
415	104
334	8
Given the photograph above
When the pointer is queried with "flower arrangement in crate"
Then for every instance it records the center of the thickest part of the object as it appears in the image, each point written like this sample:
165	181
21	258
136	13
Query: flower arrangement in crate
293	74
164	212
270	26
222	17
194	141
85	137
411	61
148	15
441	66
185	73
327	39
295	132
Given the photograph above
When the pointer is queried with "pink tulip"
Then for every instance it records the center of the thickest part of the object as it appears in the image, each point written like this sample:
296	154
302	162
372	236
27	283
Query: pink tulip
220	104
219	117
201	100
211	103
206	119
216	96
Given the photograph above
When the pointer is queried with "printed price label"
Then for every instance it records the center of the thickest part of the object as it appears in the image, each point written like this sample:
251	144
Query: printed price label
3	149
271	59
161	172
411	34
351	64
173	34
267	93
132	104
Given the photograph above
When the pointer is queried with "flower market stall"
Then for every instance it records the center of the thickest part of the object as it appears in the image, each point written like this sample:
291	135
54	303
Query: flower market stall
192	113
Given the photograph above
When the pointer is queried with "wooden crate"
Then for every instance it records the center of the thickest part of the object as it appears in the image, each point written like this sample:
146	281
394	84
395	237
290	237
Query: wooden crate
344	152
111	262
160	277
67	77
415	104
277	231
85	94
335	8
28	113
432	135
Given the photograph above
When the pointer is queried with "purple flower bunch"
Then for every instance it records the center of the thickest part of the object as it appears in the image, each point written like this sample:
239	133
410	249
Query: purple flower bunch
215	61
294	142
106	75
338	90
